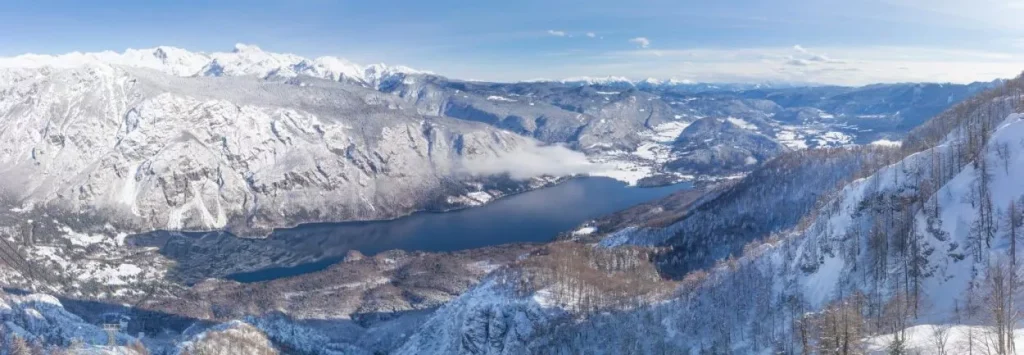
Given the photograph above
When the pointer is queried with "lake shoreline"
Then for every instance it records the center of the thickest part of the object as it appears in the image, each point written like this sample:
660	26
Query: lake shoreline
534	216
544	235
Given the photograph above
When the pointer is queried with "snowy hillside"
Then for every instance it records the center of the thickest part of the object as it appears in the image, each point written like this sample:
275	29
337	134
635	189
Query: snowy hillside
924	241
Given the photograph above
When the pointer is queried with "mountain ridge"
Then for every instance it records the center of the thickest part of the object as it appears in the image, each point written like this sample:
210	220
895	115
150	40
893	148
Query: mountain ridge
243	60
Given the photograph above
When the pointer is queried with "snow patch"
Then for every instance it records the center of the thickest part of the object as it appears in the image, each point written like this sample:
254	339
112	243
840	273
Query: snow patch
791	139
584	231
500	98
81	239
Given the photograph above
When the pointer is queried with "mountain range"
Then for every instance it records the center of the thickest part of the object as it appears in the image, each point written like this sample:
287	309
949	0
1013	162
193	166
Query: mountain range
869	217
250	140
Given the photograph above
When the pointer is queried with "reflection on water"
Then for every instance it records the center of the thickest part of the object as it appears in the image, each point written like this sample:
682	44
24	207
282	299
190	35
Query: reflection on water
534	216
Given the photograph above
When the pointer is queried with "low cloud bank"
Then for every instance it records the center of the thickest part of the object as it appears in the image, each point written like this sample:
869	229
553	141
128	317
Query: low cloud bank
532	160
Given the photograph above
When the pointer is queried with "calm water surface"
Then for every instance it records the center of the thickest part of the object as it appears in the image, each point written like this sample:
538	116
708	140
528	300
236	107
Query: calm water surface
534	216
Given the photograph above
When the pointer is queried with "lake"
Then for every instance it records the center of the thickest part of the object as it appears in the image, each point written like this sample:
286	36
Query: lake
533	216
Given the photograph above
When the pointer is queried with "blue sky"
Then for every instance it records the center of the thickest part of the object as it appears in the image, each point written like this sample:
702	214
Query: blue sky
826	41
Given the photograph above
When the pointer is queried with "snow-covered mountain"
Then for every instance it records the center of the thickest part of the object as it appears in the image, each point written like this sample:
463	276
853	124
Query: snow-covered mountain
153	151
628	125
244	60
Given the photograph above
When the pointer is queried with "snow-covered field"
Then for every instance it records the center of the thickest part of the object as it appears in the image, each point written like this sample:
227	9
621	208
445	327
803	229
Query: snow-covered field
944	339
628	171
646	159
656	149
475	198
803	137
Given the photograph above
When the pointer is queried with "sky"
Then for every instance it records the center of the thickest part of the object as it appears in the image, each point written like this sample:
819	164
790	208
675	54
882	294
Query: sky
851	42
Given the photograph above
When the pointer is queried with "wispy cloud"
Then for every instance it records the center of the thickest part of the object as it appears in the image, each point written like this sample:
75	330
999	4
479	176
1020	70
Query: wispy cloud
591	34
557	33
857	66
531	160
805	57
643	42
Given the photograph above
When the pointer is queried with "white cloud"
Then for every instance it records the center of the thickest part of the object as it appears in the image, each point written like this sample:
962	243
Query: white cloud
556	33
643	42
531	160
856	66
591	34
805	57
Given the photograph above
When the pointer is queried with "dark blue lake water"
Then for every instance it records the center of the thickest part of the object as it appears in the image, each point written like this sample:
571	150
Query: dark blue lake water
534	216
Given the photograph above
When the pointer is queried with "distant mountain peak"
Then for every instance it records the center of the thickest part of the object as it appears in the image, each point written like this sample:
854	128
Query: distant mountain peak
598	80
243	60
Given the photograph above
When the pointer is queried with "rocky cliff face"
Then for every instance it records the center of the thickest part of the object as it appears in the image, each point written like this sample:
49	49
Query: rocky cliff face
158	151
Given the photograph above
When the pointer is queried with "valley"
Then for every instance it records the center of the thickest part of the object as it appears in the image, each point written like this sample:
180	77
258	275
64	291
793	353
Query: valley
316	206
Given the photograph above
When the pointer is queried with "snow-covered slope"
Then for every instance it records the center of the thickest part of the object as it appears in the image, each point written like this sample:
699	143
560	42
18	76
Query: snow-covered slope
159	151
490	319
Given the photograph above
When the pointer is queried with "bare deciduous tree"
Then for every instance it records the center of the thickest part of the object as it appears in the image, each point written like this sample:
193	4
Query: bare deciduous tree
1000	288
1013	221
841	327
940	339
